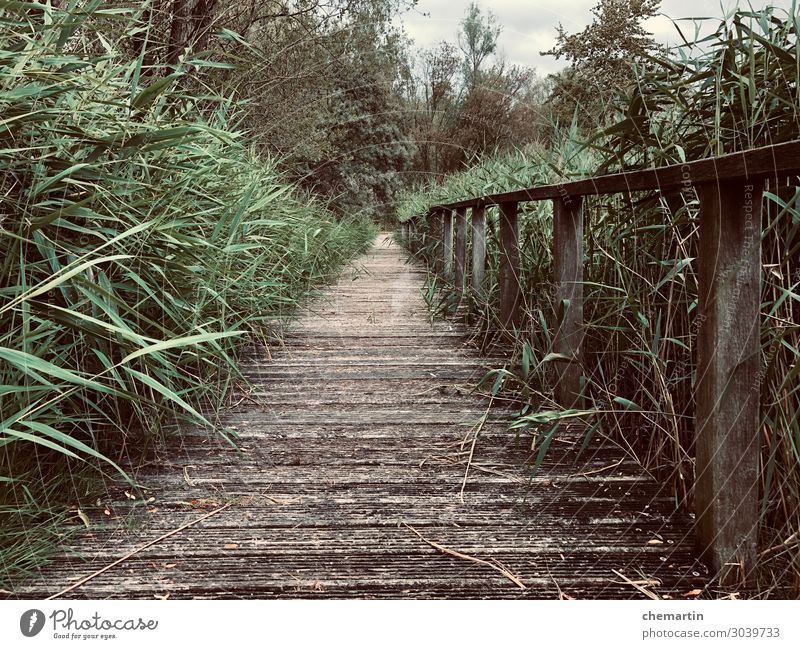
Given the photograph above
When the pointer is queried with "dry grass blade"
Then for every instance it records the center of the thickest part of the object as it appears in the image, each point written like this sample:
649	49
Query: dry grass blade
476	433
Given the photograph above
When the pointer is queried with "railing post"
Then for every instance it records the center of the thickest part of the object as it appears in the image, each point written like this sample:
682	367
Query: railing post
435	231
447	243
461	248
568	279
727	398
478	248
509	271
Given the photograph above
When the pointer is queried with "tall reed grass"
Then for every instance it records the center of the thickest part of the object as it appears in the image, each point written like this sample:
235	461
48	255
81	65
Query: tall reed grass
735	89
141	244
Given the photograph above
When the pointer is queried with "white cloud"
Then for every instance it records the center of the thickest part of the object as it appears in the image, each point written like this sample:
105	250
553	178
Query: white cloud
529	27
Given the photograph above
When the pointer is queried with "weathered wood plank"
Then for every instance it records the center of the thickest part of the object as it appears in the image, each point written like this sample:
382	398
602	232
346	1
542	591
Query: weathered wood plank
775	161
478	249
727	414
568	278
509	271
461	249
447	243
362	418
435	235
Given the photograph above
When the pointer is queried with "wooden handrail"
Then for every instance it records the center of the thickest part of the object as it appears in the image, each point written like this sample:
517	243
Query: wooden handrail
776	161
730	189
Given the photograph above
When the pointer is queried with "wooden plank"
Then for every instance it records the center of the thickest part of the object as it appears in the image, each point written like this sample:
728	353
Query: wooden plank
351	427
435	240
447	243
478	249
775	161
509	271
568	278
727	414
461	248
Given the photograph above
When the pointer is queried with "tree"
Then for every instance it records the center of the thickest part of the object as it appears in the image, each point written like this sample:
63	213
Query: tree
191	21
499	114
477	40
366	125
602	58
436	110
464	108
613	42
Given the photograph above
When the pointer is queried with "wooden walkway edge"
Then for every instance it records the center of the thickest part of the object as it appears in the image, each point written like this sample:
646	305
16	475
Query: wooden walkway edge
348	485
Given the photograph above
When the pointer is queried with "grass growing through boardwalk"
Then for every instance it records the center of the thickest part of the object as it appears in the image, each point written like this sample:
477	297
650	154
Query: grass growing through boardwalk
740	90
141	242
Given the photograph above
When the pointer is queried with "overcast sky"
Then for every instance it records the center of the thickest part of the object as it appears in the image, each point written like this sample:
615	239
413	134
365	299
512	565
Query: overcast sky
529	26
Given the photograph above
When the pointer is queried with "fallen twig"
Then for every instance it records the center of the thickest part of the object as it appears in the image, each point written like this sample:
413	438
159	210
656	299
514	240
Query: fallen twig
283	501
637	585
136	551
600	470
514	478
561	594
460	555
780	546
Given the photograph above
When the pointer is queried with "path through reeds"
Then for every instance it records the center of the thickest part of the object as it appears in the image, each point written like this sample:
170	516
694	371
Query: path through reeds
358	477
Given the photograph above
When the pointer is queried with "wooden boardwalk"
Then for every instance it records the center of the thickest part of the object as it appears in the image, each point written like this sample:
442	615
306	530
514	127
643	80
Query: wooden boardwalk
349	483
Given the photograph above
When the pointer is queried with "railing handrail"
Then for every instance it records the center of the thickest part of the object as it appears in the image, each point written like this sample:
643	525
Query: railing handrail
730	190
773	160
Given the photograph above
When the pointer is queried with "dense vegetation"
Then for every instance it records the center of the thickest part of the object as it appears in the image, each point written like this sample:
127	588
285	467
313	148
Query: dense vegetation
143	241
734	90
178	174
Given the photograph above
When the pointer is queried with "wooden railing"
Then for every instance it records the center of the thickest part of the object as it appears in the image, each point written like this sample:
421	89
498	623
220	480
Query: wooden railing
727	395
